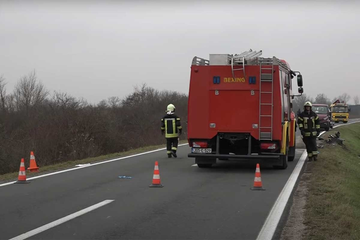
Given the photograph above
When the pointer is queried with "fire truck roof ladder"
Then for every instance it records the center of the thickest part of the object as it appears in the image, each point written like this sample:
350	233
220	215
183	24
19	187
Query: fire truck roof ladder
200	61
266	78
238	60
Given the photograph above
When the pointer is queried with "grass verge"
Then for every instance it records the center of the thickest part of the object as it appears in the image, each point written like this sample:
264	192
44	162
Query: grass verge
332	209
71	164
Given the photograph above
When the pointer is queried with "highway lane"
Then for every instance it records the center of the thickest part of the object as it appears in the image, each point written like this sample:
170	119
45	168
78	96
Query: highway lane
195	203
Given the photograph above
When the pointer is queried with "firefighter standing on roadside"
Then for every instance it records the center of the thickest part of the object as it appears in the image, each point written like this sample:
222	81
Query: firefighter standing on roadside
309	125
171	127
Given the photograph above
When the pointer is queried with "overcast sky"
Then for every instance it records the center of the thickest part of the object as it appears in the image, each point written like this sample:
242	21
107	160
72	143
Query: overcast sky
95	50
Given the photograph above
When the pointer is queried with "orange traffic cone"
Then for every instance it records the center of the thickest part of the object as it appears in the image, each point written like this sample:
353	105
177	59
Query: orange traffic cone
257	180
156	177
33	167
22	173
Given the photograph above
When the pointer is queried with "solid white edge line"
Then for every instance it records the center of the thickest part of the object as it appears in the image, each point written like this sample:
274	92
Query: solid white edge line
61	221
272	221
91	165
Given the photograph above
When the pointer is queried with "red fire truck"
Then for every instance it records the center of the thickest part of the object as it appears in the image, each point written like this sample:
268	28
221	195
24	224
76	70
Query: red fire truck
240	107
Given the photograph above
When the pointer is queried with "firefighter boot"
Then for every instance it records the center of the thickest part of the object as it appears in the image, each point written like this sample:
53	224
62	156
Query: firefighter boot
169	155
315	157
174	154
310	159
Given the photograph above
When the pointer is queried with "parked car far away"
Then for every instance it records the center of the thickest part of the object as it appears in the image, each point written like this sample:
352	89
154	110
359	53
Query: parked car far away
323	111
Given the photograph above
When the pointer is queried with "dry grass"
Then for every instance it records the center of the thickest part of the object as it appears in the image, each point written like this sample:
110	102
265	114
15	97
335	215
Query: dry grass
332	210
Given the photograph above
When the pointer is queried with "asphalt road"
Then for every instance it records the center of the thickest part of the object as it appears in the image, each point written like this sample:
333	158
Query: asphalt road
194	203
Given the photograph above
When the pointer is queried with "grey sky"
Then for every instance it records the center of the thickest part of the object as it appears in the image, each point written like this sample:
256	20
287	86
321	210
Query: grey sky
96	50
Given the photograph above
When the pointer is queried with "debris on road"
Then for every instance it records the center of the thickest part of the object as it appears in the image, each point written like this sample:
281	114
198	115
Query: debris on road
125	177
332	139
83	165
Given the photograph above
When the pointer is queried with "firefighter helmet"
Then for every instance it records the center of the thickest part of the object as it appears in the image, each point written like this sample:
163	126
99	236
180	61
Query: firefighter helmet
170	108
308	104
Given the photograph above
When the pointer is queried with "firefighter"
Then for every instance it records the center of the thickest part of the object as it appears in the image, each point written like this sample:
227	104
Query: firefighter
171	127
309	125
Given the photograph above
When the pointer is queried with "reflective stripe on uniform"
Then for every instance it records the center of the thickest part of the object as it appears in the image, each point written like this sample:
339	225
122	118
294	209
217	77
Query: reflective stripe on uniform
301	125
170	126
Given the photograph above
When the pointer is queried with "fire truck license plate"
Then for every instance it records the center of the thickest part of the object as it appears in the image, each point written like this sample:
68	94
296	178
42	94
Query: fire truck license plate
201	150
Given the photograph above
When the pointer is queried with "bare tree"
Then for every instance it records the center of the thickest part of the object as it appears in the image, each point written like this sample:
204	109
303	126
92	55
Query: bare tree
356	100
63	128
29	92
322	99
298	102
2	93
114	102
344	98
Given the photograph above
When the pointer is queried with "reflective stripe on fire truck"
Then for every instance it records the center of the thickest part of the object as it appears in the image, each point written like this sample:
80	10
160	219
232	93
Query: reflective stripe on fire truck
293	133
284	137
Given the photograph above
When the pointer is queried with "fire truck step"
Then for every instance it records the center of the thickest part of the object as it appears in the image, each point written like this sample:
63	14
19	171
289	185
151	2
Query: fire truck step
266	76
265	136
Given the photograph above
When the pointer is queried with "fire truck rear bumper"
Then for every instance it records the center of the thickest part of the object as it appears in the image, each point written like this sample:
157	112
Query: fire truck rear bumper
224	156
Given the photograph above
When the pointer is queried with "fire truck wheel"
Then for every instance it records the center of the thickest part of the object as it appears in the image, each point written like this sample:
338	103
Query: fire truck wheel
291	154
284	162
284	159
203	165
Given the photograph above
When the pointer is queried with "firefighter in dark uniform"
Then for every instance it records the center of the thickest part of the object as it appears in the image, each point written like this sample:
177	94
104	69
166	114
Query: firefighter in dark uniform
171	127
309	125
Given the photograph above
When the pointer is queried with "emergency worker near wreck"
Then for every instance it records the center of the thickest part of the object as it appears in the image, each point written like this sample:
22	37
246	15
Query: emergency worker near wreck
309	125
171	127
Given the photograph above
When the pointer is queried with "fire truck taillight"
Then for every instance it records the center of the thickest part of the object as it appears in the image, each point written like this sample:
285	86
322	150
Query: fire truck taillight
268	146
200	144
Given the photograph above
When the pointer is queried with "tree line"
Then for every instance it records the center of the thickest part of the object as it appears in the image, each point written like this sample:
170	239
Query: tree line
59	127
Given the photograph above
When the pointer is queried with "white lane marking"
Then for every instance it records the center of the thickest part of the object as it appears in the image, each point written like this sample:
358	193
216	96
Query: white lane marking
345	124
194	165
91	165
272	221
61	220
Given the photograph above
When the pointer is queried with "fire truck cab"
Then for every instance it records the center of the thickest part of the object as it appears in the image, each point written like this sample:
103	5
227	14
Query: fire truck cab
240	107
